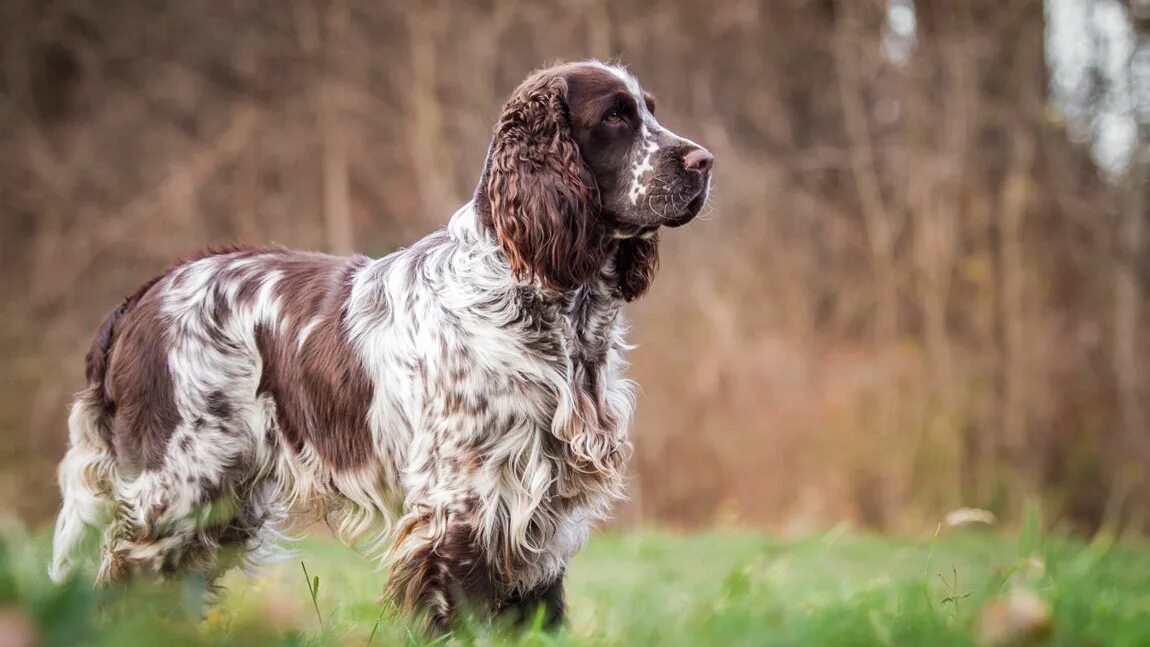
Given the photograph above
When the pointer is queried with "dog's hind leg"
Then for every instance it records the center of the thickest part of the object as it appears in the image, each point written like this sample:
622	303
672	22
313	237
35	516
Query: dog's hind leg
150	536
171	518
205	542
86	475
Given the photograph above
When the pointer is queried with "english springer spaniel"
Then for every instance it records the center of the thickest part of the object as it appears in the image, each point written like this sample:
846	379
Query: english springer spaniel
458	406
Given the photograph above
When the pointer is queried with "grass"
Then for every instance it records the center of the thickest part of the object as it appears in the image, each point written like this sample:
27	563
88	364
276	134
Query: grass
649	587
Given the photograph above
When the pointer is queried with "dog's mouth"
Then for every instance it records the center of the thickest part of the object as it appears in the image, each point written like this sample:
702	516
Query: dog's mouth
620	230
690	211
648	221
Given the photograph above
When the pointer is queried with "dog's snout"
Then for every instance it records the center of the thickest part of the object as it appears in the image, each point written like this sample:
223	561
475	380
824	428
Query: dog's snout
699	159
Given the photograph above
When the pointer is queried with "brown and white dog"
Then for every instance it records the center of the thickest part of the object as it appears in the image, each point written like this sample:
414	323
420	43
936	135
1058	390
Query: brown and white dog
460	403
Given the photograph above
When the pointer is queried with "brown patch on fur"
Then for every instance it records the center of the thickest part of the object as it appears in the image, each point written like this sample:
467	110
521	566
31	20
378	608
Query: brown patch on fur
96	360
139	386
131	346
321	389
218	405
635	266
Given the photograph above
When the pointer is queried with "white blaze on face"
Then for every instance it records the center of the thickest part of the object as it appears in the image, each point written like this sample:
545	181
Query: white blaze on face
641	166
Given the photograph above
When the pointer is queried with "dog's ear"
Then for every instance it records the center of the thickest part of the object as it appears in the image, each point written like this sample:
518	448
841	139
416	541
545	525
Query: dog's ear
635	265
543	200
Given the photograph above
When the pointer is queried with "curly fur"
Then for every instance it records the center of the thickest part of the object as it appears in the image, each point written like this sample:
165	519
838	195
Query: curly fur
544	202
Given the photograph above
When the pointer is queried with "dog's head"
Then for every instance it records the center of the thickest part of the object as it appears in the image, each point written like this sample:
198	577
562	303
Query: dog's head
580	169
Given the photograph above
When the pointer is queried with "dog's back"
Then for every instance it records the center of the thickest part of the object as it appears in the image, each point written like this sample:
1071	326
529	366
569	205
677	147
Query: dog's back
180	416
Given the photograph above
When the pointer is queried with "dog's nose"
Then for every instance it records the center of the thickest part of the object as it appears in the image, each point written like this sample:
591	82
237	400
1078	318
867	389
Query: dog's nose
700	159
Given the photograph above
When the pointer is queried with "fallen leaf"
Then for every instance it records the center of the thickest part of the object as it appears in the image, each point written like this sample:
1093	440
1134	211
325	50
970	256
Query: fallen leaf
1017	618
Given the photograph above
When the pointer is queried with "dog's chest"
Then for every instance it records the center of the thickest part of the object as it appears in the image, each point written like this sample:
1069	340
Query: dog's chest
553	356
523	385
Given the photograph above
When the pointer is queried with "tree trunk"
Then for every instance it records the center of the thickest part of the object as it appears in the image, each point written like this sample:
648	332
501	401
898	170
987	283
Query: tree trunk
337	217
880	225
1128	289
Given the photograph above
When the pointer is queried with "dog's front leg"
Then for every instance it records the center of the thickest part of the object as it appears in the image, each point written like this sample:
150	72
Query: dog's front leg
547	599
436	567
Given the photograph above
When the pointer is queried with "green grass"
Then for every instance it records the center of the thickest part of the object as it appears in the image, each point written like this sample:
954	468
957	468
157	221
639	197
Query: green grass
650	587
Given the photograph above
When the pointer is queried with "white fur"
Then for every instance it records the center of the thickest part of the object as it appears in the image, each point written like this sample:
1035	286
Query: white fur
642	167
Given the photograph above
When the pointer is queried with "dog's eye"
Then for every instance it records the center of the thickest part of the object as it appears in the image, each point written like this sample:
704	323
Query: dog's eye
613	116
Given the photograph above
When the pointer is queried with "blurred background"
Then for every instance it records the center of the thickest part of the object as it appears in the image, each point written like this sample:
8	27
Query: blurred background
923	284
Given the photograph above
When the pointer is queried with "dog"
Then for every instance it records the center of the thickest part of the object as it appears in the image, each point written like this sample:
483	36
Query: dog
458	406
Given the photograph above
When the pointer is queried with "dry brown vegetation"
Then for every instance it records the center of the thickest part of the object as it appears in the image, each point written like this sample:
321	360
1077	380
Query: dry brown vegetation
913	292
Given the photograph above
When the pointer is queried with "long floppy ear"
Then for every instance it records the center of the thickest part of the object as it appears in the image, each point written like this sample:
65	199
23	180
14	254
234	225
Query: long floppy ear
635	265
543	199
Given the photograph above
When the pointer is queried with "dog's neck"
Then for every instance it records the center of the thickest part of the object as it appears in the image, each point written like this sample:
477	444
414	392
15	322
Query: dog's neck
616	234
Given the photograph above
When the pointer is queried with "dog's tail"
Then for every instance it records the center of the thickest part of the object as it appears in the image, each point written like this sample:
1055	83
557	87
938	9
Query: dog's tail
88	469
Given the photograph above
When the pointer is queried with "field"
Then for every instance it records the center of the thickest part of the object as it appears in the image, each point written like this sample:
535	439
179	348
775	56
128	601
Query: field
650	587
